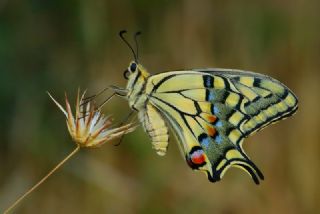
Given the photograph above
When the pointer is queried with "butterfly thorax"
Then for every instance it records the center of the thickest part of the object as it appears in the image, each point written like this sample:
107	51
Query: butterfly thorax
136	86
150	117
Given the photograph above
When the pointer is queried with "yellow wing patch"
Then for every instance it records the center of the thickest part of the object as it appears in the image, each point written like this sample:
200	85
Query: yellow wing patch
178	82
178	101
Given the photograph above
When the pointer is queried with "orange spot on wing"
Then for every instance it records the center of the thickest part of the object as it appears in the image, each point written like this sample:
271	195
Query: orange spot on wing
211	131
211	118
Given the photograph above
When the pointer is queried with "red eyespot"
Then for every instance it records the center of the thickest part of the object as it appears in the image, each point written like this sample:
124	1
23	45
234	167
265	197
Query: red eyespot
198	157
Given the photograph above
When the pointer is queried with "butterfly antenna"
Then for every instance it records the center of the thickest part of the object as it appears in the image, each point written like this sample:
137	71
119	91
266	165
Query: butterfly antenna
136	42
128	44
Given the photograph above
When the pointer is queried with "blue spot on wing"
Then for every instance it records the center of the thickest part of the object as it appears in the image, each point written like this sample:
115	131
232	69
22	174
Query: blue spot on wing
208	81
215	110
211	96
218	124
205	142
218	139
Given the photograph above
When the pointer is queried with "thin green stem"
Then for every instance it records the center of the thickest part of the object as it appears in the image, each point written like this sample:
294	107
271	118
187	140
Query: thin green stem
42	180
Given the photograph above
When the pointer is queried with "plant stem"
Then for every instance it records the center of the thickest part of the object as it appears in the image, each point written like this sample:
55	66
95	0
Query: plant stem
42	180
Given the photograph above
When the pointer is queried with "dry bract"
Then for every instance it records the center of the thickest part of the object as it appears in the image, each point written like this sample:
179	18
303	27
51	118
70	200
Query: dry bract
89	127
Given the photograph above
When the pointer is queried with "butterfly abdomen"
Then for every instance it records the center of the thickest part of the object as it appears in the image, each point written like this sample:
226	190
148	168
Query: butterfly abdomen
155	126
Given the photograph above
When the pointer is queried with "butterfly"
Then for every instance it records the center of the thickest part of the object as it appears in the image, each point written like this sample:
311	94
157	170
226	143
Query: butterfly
210	111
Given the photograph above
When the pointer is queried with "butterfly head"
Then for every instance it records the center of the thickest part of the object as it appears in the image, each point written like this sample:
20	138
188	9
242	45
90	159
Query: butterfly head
135	69
136	75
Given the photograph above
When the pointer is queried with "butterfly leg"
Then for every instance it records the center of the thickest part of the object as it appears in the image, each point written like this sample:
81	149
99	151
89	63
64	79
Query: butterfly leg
121	124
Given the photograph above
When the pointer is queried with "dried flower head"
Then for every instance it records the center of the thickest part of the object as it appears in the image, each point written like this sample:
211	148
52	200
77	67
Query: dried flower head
89	127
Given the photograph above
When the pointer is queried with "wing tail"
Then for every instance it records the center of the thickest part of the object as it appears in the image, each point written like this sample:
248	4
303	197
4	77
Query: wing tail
235	158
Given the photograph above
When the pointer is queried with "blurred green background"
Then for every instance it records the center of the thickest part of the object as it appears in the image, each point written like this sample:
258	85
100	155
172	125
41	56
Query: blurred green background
58	45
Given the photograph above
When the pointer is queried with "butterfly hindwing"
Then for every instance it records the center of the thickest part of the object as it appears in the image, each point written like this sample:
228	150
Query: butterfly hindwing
210	111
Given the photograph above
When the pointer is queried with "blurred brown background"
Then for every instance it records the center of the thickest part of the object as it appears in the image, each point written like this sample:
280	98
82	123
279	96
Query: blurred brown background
58	45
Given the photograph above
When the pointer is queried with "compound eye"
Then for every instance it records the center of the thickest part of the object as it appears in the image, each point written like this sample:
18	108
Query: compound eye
133	67
126	74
